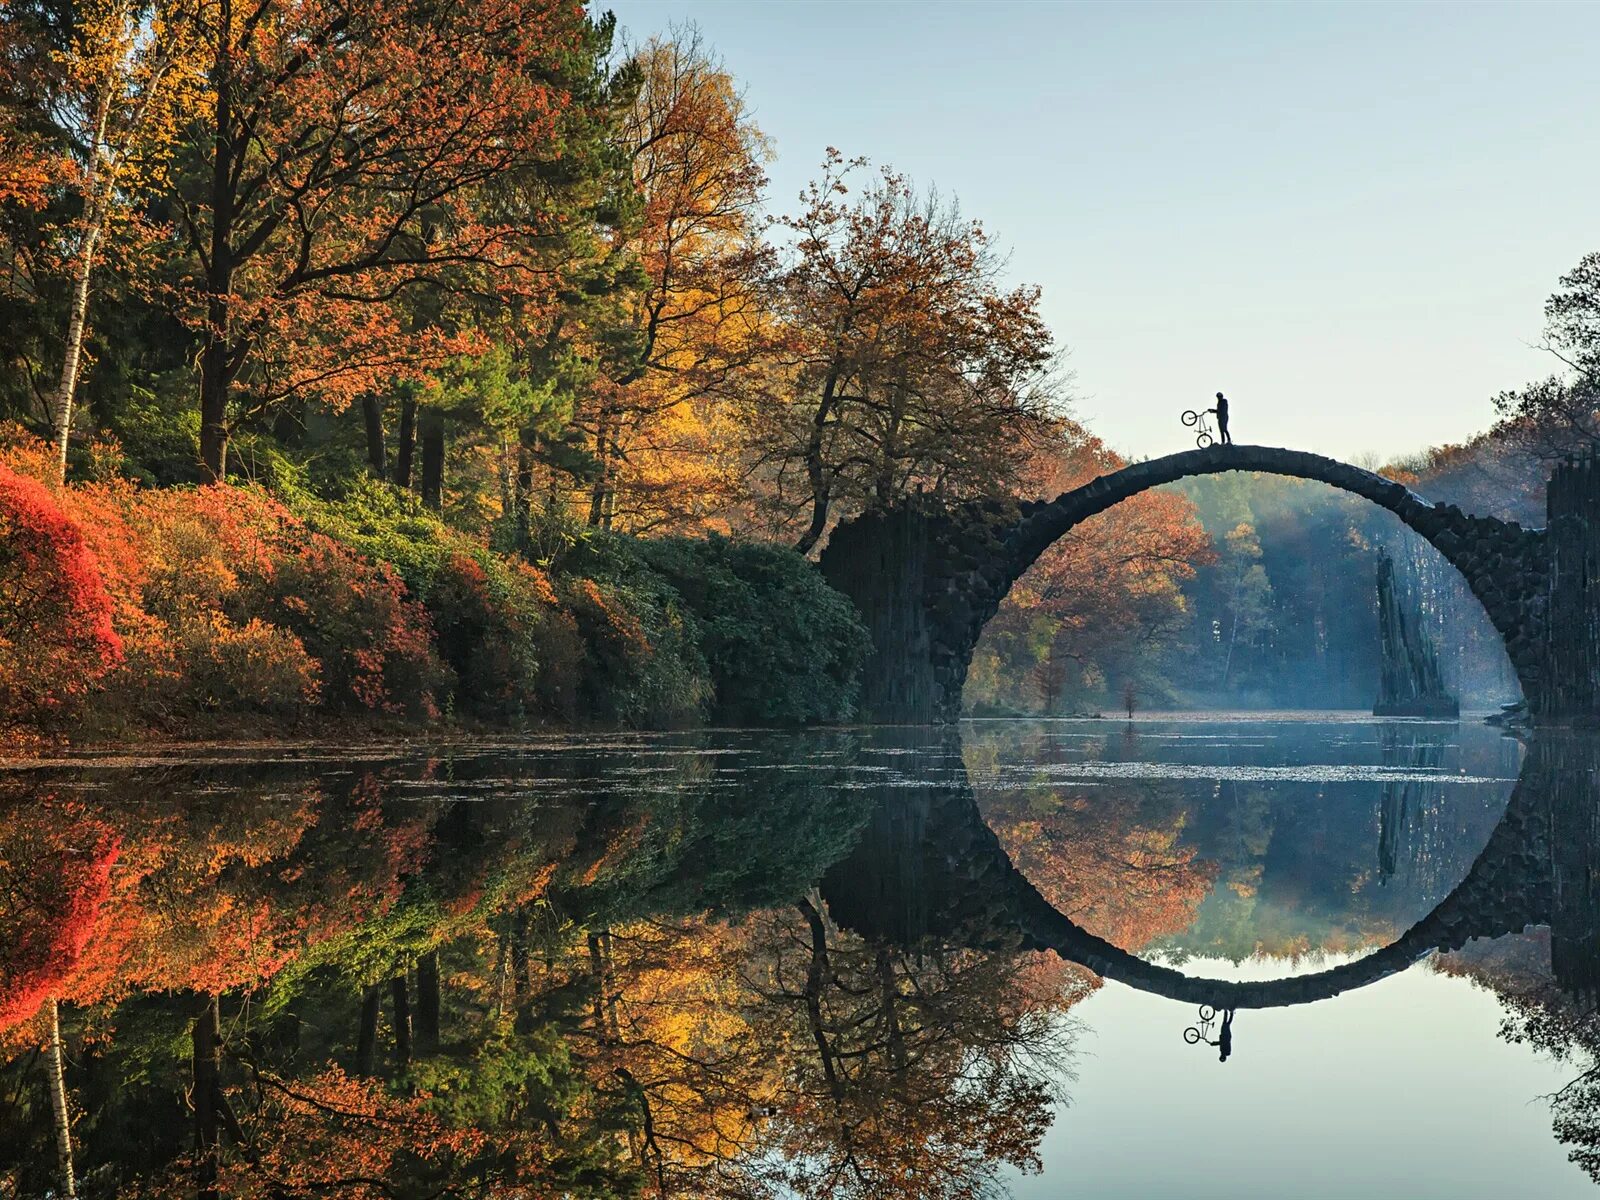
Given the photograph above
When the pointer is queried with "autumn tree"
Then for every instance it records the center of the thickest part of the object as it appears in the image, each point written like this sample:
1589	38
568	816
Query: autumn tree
1555	416
503	414
1105	600
660	428
334	170
912	366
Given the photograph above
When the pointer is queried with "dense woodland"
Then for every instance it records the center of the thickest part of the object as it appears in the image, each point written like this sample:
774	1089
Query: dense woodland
455	363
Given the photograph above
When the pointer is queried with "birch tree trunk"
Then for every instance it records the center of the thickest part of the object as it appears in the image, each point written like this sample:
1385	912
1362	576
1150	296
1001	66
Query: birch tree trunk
58	1104
94	216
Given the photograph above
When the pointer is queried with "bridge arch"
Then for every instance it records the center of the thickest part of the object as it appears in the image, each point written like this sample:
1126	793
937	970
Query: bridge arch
928	579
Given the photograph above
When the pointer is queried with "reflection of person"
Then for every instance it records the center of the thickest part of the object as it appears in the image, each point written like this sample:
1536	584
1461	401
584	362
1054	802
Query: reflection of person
1222	419
1225	1038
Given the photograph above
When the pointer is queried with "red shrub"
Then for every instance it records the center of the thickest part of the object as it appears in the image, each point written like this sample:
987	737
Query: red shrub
56	634
51	905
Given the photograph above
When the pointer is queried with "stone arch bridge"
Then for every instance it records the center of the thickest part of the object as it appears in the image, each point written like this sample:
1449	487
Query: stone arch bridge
927	578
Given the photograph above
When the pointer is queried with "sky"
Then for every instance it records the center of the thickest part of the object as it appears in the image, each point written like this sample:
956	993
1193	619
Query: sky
1411	1070
1347	217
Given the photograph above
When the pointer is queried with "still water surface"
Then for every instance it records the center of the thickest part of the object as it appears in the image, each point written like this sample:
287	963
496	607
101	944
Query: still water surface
884	961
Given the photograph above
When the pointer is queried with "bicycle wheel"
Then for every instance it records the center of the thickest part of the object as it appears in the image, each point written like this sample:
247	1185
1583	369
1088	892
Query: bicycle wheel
1190	416
1203	440
1191	1035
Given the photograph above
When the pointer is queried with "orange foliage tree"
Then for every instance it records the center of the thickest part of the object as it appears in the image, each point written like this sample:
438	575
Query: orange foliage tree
1084	619
665	448
911	366
347	154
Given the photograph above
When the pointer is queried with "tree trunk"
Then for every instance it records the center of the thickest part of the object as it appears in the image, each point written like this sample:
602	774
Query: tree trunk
526	443
408	442
372	417
597	490
289	422
507	472
216	354
597	974
889	997
428	1003
816	469
207	1084
816	978
519	956
66	387
58	1103
433	459
214	400
94	215
367	1032
402	1019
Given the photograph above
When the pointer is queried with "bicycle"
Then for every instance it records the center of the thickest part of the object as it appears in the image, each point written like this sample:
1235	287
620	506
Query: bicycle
1196	1034
1192	418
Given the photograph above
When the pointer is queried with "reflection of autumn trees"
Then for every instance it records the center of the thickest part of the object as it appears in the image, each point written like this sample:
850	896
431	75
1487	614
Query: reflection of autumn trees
296	985
1233	868
915	1074
1111	859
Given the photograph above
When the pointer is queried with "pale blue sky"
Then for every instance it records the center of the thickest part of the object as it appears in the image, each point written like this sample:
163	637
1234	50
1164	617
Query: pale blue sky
1346	216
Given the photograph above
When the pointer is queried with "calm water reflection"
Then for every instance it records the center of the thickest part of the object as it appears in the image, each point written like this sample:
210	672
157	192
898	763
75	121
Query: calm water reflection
855	962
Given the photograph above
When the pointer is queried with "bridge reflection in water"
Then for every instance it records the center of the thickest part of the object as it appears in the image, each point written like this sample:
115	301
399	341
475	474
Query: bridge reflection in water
929	870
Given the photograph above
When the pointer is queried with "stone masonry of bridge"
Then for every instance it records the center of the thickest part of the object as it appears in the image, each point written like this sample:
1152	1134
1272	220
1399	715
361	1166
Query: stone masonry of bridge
927	577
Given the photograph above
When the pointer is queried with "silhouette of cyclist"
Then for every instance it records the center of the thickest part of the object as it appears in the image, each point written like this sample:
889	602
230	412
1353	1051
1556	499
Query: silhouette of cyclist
1225	1038
1222	419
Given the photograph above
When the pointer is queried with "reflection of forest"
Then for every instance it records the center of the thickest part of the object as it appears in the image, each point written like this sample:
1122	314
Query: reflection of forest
728	965
1232	869
561	980
1557	1021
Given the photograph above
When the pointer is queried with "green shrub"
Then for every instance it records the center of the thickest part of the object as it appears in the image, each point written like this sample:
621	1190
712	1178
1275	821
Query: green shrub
641	664
783	647
500	625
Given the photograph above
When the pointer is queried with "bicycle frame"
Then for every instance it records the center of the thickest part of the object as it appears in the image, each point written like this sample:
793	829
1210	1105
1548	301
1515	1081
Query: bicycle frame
1196	420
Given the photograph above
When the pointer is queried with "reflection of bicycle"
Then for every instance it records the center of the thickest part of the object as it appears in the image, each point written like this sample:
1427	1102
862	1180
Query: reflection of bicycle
1196	1034
1202	438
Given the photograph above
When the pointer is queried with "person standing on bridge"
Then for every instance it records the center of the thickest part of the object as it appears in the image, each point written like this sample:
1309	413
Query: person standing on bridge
1222	420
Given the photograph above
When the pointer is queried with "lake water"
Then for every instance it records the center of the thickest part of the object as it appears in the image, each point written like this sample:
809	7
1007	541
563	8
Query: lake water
1219	955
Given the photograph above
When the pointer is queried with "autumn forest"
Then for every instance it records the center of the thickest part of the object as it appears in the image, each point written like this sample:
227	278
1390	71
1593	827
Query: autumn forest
458	364
428	751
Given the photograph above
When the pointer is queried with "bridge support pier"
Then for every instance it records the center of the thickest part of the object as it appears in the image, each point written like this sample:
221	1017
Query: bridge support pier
1569	692
925	582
